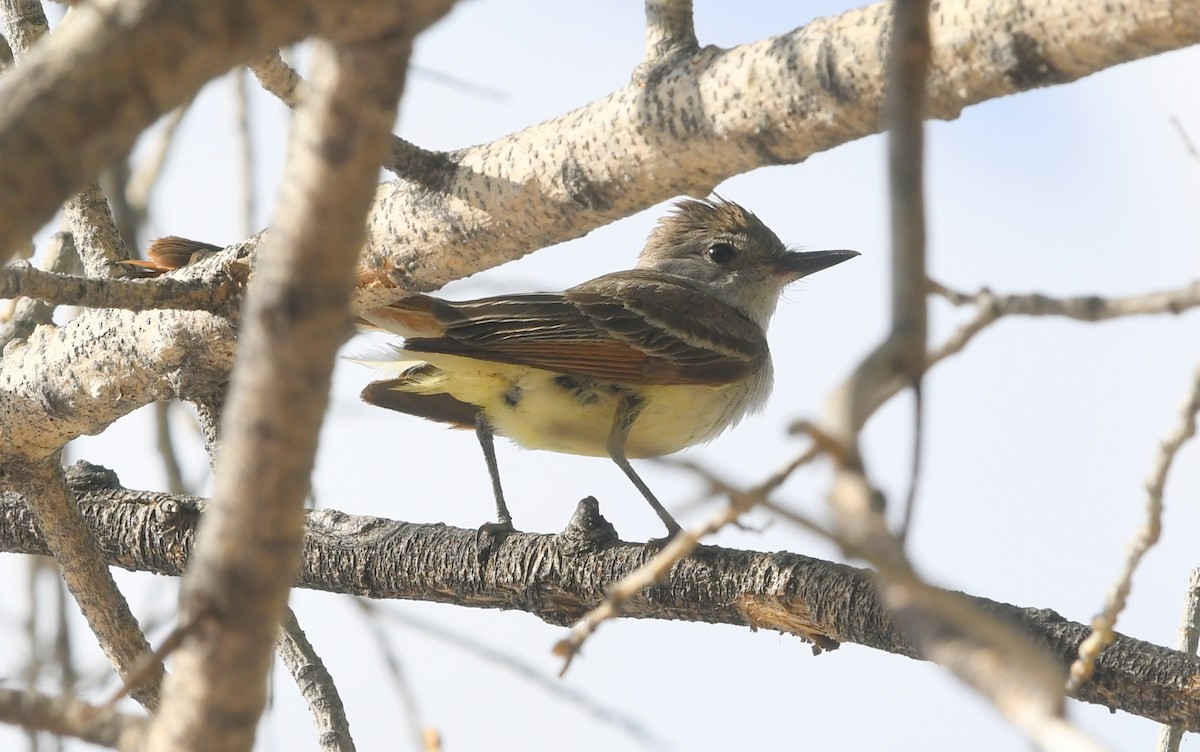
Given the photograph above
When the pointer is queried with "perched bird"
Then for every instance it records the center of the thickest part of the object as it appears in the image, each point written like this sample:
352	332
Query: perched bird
638	363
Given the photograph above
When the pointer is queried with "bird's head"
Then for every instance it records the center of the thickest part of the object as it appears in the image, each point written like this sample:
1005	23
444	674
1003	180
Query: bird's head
729	252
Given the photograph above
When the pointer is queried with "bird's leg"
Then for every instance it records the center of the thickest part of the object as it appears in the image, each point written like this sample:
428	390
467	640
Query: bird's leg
490	533
627	412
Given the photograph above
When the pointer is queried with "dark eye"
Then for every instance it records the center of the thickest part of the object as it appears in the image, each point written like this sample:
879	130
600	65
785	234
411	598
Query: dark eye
721	253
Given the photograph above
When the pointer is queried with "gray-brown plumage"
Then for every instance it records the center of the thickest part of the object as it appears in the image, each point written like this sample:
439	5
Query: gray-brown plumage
637	363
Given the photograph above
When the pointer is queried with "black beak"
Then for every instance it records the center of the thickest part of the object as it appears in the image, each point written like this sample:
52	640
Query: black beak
795	265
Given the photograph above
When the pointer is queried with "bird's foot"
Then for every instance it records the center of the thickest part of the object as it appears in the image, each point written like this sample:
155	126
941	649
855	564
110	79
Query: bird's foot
654	545
489	536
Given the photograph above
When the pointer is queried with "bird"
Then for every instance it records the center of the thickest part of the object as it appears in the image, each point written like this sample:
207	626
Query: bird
632	364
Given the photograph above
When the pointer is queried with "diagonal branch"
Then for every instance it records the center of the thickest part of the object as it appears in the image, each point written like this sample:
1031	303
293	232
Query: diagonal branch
1146	536
71	542
407	160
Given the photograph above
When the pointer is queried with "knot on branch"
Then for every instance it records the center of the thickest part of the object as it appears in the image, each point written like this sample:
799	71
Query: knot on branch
587	530
84	477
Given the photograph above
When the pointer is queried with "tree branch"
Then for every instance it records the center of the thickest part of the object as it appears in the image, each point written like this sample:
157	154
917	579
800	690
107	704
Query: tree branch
724	112
87	213
67	716
1146	536
27	314
85	571
557	578
316	686
213	291
406	160
296	316
69	109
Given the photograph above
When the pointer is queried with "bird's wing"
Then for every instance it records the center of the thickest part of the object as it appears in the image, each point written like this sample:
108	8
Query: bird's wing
634	327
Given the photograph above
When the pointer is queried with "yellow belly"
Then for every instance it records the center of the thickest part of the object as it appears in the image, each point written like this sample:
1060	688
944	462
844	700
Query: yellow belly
544	410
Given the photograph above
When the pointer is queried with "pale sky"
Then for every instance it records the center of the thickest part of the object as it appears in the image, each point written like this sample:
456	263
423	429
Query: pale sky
1039	435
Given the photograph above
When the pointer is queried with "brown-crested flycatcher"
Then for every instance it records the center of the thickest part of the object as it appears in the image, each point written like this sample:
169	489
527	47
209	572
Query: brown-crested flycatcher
639	363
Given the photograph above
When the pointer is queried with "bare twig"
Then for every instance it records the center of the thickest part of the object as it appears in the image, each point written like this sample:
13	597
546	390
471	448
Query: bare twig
675	550
83	567
245	141
1102	625
316	686
1081	308
405	159
404	690
144	176
165	444
210	292
1187	139
1170	737
991	307
67	716
600	712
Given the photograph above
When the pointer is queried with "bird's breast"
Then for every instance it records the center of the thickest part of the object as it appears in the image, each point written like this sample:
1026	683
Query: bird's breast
541	409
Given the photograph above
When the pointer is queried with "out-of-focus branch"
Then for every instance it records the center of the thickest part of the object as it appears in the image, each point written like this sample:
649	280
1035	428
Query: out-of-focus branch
280	79
67	716
245	141
417	730
1170	737
145	174
599	711
86	214
296	315
1104	622
1000	662
560	577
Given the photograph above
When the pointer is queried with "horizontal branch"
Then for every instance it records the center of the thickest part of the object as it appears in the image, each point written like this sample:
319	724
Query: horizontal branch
1082	307
559	577
209	293
67	716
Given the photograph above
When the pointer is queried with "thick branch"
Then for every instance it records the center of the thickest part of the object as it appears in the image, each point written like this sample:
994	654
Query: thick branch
63	382
696	124
720	113
558	578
